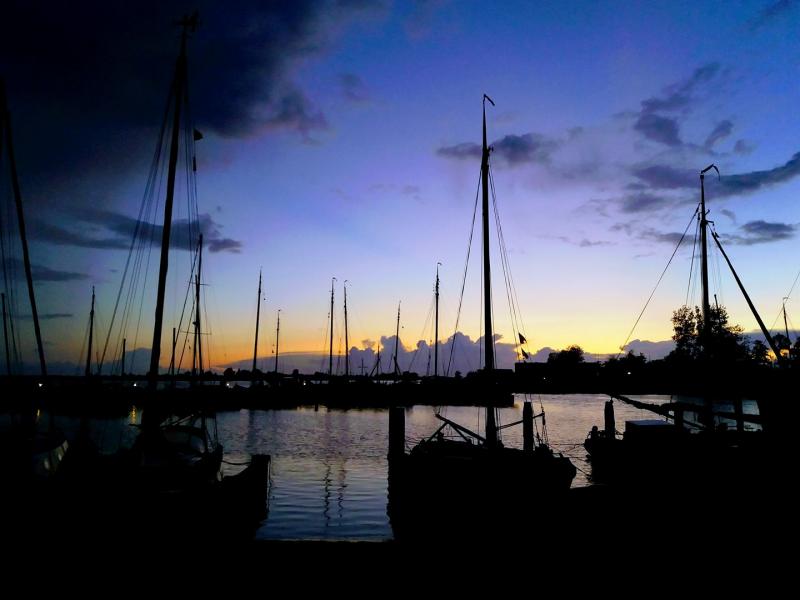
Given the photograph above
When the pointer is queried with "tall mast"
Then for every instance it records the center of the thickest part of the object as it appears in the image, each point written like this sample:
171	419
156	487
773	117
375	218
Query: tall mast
704	261
330	355
88	371
178	96
346	339
397	341
436	328
5	124
258	317
277	340
197	332
122	362
5	336
488	336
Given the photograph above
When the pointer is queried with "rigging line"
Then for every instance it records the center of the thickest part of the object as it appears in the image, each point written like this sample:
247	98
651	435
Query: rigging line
691	264
191	310
506	267
520	324
669	262
422	335
325	344
153	167
464	279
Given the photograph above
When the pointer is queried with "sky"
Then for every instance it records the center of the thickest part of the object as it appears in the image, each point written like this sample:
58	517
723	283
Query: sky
341	139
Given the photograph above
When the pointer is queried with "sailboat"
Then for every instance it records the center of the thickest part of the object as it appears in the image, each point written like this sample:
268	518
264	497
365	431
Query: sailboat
679	454
456	475
171	478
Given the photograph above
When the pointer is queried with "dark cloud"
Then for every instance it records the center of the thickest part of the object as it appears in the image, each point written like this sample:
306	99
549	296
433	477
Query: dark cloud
662	177
678	96
722	130
641	202
770	13
293	110
43	273
743	147
353	88
109	65
730	214
671	237
745	183
761	232
513	149
118	230
659	129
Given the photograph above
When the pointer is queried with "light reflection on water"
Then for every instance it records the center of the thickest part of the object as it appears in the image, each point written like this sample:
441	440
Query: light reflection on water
329	469
329	477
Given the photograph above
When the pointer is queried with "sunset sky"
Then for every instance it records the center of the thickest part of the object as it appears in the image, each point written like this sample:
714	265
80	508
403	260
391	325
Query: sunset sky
341	139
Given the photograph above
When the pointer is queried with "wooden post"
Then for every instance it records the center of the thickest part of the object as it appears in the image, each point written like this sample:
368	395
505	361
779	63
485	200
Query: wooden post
527	427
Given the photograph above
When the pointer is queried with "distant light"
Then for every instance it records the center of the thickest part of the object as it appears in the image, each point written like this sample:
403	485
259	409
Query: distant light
134	384
629	372
41	384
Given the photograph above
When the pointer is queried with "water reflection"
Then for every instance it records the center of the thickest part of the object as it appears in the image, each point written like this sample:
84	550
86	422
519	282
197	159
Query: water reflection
329	467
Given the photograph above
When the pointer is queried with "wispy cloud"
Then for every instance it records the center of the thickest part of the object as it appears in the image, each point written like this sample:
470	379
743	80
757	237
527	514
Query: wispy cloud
43	273
513	149
119	229
761	232
722	130
659	129
353	88
771	13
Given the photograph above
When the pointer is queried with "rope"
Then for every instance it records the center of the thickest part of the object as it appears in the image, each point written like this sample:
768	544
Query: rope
691	265
669	262
464	278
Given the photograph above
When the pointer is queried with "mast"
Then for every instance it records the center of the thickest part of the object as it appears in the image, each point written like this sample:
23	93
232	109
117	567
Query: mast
5	336
704	261
178	96
488	337
436	328
5	122
258	317
346	340
122	369
198	344
397	341
330	355
91	334
277	340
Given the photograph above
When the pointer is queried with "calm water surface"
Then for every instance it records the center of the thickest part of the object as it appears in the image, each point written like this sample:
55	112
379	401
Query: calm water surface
329	469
